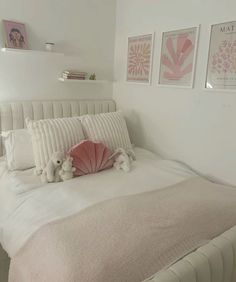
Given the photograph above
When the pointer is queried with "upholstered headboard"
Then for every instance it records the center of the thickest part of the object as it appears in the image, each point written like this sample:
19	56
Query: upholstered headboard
12	115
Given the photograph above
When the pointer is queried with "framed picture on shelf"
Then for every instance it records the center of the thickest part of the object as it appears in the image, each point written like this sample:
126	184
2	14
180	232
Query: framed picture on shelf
221	67
16	36
178	57
139	58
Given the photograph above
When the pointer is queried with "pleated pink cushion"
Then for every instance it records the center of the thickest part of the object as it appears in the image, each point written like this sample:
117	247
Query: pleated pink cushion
89	157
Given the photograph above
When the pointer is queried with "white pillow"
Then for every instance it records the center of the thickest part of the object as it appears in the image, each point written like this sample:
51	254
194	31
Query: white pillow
107	128
52	135
18	149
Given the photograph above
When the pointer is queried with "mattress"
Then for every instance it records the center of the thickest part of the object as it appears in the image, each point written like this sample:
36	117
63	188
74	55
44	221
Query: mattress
26	204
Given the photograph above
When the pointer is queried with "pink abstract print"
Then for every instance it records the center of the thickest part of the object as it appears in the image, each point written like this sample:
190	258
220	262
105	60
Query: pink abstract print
139	58
177	58
224	59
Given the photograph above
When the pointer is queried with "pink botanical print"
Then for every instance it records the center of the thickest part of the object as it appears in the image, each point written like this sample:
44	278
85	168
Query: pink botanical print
139	58
177	52
223	61
221	69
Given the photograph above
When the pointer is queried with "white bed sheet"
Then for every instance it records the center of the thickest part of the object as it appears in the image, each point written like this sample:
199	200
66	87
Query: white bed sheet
26	204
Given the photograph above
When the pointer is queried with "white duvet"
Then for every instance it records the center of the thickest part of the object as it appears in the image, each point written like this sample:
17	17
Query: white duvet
26	204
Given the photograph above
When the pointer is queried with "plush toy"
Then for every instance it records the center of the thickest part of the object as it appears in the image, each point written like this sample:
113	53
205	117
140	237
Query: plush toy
51	171
67	170
123	159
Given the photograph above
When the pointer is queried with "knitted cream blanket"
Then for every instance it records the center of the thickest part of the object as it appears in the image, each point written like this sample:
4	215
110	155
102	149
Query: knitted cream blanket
129	238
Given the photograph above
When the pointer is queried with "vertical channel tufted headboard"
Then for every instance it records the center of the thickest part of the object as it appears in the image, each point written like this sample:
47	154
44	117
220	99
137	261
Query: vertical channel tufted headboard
13	114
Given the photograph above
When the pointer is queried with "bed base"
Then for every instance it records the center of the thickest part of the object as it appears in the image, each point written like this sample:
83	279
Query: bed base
213	262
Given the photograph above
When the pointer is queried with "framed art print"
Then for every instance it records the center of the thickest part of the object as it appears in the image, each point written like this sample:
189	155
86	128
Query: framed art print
139	60
16	36
178	56
221	67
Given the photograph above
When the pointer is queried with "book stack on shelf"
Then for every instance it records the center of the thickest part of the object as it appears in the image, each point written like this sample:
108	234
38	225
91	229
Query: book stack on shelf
71	74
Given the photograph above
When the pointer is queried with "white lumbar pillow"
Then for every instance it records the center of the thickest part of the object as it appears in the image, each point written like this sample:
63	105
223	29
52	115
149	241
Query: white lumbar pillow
53	135
18	149
107	128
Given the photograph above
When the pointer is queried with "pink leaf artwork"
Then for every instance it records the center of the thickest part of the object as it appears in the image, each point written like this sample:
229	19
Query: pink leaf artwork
177	59
139	58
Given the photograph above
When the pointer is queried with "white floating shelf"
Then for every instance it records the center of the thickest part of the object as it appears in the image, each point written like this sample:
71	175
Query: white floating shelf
12	50
83	81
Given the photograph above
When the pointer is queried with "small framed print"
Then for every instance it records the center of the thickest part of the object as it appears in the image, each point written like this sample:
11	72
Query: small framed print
221	67
139	58
16	36
178	56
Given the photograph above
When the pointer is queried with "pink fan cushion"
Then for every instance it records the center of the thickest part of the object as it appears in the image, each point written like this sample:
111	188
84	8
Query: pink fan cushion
89	157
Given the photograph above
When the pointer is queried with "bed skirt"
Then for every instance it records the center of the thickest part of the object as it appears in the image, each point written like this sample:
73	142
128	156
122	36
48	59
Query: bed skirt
215	261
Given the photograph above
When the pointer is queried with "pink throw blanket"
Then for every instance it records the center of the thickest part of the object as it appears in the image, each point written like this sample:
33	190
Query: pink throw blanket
127	239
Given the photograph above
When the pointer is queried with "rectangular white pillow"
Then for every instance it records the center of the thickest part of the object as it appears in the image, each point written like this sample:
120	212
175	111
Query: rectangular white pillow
53	135
107	128
19	149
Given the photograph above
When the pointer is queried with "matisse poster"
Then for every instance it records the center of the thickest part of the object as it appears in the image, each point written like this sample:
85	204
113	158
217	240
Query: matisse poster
221	69
178	54
139	61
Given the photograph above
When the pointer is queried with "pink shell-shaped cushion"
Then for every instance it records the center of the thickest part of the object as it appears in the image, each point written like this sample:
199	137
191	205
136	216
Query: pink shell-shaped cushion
89	157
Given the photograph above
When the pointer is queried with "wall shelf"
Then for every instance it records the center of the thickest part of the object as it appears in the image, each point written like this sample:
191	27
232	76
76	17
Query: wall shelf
83	81
12	50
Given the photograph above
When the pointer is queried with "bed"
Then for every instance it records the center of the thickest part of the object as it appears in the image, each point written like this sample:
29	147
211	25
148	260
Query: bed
212	261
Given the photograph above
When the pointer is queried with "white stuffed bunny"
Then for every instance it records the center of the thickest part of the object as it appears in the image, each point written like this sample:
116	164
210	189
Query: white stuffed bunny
67	170
123	159
51	171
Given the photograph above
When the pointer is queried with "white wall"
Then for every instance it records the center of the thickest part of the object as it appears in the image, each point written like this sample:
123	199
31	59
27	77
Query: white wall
83	30
195	126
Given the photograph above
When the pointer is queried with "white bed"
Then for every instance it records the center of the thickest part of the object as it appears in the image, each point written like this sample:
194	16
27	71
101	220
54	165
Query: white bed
26	204
24	208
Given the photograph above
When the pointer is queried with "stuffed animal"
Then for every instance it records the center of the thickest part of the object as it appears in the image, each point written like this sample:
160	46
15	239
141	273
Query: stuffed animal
123	159
51	171
67	170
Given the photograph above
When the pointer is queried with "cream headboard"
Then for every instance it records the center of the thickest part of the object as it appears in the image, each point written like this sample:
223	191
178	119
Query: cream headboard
12	115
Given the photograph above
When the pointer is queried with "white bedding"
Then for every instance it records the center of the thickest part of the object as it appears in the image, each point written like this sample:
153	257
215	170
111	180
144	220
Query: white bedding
26	204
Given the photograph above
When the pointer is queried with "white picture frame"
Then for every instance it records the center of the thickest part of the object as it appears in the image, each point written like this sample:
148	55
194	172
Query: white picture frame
220	78
15	35
170	72
145	79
